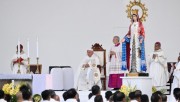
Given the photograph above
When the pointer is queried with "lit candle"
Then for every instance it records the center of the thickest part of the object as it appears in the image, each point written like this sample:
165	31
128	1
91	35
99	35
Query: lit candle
37	47
18	49
28	47
12	84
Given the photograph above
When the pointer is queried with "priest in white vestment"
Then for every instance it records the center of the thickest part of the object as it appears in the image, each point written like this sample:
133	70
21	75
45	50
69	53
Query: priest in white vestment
176	80
158	67
115	71
19	62
88	73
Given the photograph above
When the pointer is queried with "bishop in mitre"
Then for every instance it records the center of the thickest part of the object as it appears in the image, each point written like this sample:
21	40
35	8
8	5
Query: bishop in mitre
158	67
19	63
88	73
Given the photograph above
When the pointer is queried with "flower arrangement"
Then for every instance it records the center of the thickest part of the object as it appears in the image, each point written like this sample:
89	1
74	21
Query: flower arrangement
126	90
11	89
154	89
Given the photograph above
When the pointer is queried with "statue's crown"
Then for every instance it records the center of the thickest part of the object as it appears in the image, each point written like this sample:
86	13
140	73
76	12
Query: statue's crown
135	11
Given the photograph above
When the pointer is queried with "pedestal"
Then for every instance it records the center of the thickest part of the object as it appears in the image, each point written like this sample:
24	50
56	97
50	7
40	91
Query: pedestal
142	83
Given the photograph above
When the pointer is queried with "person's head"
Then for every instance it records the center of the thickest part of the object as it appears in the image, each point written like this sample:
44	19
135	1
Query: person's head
36	98
71	93
179	59
90	95
46	95
144	98
132	95
119	97
95	90
26	92
157	46
25	88
26	95
65	97
138	94
134	17
116	39
156	97
164	98
1	94
98	98
176	93
52	94
21	48
108	94
90	52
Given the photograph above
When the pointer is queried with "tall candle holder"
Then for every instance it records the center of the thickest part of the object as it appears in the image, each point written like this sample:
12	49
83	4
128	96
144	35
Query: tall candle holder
37	70
28	68
19	72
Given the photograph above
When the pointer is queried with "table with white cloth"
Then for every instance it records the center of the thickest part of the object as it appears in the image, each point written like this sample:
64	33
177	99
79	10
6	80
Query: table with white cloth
142	83
38	82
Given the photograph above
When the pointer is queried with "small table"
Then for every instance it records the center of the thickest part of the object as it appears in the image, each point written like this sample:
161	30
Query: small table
142	83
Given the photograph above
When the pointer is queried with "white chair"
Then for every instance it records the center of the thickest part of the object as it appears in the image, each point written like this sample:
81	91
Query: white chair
68	78
57	78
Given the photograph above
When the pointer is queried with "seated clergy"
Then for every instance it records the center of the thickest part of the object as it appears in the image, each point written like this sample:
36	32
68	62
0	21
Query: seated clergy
19	63
88	74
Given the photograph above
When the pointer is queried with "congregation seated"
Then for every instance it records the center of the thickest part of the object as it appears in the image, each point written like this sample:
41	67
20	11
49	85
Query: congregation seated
119	97
144	98
95	91
98	98
108	94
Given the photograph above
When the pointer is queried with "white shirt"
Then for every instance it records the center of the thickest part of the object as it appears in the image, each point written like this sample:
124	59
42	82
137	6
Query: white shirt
71	100
2	100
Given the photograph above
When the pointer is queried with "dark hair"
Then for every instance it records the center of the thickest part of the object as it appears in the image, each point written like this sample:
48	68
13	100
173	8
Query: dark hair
108	94
26	95
164	98
25	88
45	95
144	98
52	93
71	93
136	16
65	97
1	94
90	95
98	98
118	96
26	92
138	94
132	95
155	97
95	89
176	93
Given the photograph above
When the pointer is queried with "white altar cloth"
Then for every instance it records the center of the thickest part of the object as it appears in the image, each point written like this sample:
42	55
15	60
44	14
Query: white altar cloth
142	83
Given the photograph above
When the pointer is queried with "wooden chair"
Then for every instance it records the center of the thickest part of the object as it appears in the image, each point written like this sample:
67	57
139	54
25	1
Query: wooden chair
101	53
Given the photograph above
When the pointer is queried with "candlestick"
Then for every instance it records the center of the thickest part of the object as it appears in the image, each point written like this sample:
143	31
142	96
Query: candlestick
18	57
37	70
28	68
